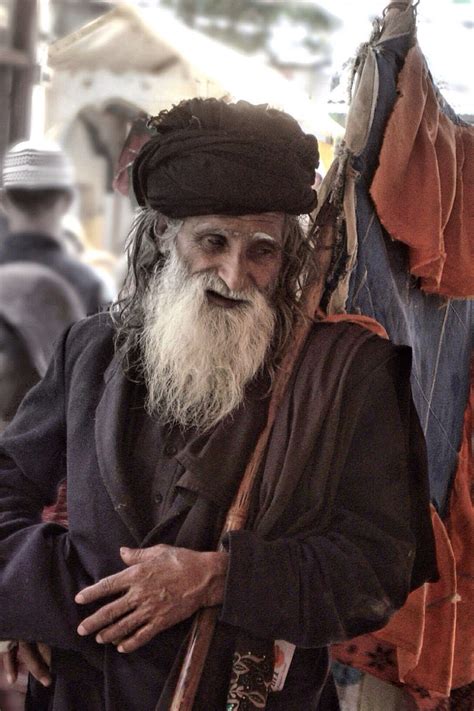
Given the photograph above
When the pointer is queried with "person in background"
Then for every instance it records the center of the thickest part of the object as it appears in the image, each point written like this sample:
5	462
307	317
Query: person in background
3	226
101	261
37	191
36	306
152	413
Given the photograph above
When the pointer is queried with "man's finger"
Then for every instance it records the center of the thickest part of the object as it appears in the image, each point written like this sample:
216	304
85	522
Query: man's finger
10	663
104	588
131	555
142	636
135	555
105	616
45	652
34	662
122	629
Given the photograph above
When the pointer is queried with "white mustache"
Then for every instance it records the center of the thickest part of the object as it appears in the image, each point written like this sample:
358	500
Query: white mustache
212	282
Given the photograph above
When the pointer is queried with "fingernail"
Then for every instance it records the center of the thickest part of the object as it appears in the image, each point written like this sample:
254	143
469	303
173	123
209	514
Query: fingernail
79	597
45	681
81	630
120	648
99	639
10	679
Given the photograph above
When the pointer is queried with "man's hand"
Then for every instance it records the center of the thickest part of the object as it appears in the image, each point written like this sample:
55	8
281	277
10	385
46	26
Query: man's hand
162	586
35	657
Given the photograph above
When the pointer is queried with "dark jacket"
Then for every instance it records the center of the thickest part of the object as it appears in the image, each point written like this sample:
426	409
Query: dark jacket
341	534
38	305
43	249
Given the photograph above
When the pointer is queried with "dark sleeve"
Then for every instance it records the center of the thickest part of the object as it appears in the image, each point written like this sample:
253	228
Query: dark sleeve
318	589
39	569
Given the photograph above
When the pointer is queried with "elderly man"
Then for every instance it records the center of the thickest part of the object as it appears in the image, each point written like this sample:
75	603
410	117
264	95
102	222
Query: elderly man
153	414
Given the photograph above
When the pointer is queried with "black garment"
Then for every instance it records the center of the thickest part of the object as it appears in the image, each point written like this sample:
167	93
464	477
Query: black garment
332	578
152	452
43	249
209	157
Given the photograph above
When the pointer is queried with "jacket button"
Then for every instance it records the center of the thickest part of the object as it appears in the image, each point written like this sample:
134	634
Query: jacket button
170	450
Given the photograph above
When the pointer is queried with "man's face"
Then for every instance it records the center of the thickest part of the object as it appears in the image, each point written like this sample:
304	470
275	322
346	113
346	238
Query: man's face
209	316
245	252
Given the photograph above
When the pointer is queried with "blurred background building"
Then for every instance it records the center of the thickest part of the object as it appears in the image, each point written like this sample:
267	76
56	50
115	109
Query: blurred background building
18	41
81	71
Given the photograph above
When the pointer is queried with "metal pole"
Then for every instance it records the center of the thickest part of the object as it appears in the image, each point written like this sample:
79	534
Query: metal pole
24	40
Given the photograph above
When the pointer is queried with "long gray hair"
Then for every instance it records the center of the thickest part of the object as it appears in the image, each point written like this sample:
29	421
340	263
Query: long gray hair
146	256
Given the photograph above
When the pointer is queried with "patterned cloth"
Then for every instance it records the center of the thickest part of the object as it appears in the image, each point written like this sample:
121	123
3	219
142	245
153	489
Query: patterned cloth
250	680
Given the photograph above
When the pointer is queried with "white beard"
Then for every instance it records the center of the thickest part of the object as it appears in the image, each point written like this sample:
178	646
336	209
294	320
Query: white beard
198	357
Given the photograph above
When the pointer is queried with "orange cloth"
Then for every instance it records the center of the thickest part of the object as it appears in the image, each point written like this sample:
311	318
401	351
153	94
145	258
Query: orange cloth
460	526
429	643
366	321
423	631
57	513
423	189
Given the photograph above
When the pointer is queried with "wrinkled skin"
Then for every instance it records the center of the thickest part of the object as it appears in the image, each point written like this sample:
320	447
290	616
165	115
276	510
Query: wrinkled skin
161	586
245	252
35	657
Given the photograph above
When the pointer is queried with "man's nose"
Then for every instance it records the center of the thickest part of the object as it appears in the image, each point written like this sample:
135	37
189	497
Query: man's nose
234	272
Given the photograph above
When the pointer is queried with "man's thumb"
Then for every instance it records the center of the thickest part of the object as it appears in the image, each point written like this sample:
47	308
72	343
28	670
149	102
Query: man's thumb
131	555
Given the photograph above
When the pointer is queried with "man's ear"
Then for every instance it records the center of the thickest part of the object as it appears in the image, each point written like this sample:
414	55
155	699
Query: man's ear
160	226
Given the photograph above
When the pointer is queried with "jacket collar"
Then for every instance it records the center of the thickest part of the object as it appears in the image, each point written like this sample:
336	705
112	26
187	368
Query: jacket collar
33	240
110	424
214	462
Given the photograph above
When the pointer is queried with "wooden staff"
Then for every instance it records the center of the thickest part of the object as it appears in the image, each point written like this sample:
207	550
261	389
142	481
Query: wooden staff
205	620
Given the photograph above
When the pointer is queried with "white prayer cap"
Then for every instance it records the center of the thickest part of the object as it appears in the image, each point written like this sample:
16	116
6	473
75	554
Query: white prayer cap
37	165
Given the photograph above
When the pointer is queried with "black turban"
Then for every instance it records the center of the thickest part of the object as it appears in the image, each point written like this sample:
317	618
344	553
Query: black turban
210	157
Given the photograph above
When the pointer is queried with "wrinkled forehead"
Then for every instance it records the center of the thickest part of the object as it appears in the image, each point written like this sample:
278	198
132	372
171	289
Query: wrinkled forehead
265	224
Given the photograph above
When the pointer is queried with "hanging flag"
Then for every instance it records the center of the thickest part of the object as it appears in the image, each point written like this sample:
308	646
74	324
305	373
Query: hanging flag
400	198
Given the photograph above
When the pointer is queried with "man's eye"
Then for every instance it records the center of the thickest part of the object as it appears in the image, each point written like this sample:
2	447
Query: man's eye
213	241
264	250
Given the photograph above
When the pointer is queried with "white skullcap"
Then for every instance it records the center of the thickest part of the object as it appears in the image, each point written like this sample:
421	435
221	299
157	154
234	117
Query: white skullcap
36	165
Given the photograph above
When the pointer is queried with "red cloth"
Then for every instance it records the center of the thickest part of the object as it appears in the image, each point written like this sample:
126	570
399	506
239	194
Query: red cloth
428	645
138	135
57	513
366	321
460	527
423	189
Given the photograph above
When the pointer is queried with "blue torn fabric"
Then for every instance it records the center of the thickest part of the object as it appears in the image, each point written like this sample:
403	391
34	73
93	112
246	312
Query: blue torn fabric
439	330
